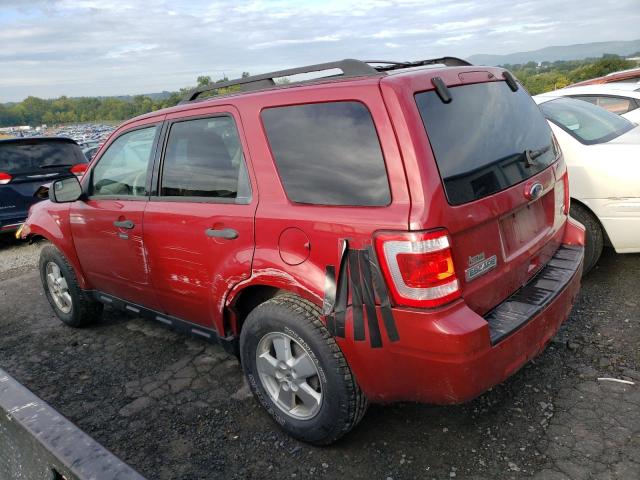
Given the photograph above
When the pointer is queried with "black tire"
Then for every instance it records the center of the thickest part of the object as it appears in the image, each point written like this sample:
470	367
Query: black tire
594	236
84	310
343	404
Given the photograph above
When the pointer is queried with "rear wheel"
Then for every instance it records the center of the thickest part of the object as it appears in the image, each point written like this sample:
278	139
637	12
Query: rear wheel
594	236
69	302
297	371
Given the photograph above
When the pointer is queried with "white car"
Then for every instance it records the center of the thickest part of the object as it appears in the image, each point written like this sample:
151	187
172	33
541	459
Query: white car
602	152
621	98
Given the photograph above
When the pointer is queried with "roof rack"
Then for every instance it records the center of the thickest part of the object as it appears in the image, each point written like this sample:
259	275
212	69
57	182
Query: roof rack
349	68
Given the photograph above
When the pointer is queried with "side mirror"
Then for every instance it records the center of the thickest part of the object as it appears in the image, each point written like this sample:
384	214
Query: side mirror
65	190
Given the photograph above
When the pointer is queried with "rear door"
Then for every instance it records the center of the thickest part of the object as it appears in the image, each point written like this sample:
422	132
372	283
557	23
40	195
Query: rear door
27	164
199	228
504	204
108	225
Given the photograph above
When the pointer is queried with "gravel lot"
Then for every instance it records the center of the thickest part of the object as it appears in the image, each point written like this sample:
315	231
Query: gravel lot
177	408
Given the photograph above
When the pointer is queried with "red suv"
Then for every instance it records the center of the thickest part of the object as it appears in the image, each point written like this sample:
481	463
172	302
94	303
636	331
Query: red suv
395	231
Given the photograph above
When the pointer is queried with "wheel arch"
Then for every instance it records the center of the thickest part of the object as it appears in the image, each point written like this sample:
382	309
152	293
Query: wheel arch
244	298
607	240
57	233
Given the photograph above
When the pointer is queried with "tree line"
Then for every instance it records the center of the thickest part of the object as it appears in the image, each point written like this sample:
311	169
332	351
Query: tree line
537	78
37	111
547	76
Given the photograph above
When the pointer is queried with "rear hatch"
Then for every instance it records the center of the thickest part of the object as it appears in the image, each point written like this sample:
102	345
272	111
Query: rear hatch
505	206
27	164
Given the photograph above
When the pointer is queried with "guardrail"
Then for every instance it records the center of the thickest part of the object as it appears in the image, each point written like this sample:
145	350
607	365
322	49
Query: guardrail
37	443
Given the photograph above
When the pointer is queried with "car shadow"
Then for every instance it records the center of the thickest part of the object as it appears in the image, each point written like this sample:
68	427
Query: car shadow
8	240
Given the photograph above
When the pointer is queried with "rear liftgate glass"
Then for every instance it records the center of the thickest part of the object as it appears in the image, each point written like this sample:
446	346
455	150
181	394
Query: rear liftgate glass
485	138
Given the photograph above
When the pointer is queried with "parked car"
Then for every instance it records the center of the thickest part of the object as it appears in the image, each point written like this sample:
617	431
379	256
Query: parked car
631	75
619	98
365	237
602	152
27	163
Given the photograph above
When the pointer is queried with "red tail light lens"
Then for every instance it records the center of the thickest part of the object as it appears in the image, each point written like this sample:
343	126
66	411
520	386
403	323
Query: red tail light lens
5	178
79	169
418	267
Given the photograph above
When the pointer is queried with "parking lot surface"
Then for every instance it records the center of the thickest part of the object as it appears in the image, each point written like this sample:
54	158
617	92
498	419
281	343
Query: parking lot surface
177	408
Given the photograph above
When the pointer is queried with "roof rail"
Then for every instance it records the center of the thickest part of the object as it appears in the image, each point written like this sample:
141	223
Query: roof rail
386	65
349	68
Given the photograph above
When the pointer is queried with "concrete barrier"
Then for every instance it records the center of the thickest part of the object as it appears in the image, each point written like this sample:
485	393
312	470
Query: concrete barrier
37	443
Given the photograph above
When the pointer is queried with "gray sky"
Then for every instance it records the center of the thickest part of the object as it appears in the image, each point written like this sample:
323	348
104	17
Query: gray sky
50	48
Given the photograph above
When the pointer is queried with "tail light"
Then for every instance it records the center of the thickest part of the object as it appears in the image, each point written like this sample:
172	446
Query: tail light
562	196
567	198
418	267
5	178
565	180
79	169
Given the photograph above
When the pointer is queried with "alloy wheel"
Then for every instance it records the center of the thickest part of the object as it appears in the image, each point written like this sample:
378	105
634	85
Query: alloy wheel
58	288
289	375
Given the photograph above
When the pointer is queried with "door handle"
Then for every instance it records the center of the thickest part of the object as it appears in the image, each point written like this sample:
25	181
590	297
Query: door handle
128	224
226	233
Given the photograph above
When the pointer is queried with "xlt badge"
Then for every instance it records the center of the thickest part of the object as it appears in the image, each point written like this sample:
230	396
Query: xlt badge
478	265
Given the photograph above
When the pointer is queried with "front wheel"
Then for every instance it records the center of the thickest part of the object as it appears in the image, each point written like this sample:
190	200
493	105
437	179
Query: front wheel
69	302
297	371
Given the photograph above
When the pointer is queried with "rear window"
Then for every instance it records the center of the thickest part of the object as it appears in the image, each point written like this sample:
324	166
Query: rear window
204	159
487	139
30	155
584	121
328	154
617	105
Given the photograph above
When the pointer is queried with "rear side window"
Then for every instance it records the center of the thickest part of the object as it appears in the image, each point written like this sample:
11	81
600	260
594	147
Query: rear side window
34	155
486	139
328	154
204	159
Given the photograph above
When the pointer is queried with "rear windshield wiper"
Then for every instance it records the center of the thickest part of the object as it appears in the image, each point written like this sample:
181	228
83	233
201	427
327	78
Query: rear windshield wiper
59	165
531	155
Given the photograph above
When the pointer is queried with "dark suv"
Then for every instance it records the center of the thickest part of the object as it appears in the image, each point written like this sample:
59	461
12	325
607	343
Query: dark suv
397	231
26	164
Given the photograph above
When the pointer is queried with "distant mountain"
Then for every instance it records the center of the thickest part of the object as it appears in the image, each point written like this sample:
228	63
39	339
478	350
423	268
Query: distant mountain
561	52
153	96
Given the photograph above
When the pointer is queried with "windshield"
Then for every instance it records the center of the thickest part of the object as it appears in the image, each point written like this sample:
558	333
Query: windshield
584	121
487	139
34	155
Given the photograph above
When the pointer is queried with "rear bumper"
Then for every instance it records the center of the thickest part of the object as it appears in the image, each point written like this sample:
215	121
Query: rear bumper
454	355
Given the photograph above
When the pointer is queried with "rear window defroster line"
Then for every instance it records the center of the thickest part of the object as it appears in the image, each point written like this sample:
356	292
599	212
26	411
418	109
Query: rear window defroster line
359	273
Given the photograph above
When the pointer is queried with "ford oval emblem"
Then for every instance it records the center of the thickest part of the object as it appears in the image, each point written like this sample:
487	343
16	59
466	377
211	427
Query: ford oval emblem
534	191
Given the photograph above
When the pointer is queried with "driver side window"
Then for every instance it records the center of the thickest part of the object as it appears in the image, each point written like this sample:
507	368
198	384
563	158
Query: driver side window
122	169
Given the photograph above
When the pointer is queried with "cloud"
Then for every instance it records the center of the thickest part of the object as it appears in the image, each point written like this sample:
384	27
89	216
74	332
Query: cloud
294	41
130	50
109	47
454	39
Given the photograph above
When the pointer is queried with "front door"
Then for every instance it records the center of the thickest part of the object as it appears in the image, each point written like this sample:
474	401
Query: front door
199	226
107	227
